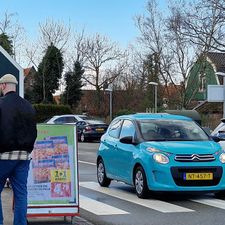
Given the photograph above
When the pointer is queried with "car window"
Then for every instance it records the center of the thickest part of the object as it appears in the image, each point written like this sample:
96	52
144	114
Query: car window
70	119
81	123
171	130
127	129
114	128
65	119
60	120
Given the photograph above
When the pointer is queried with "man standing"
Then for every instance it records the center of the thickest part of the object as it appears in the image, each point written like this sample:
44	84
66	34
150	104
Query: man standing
17	136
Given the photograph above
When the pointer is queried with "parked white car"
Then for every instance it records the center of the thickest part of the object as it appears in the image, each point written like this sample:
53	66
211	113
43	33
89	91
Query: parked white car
220	132
67	119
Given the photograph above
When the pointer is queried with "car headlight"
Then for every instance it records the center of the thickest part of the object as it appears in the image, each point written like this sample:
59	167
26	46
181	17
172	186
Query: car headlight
222	157
163	159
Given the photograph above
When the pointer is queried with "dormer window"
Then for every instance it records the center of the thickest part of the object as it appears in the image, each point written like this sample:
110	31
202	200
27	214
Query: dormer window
202	82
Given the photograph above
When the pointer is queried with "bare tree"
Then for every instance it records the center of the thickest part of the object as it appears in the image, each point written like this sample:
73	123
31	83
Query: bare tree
54	32
100	56
204	24
152	28
51	33
99	53
9	25
158	50
181	51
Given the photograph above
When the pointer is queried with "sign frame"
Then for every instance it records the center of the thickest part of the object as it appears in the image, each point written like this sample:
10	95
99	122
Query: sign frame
46	208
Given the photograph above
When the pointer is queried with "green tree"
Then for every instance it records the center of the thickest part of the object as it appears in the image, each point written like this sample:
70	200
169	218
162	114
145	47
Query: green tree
49	74
73	93
6	43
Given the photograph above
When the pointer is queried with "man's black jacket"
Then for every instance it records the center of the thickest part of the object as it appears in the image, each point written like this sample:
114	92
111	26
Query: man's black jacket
17	124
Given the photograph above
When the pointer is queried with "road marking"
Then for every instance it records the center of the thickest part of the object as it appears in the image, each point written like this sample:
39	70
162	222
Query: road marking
218	203
89	163
99	208
158	205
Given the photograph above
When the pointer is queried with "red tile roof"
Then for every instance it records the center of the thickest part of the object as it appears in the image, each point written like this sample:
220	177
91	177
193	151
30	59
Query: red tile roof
27	71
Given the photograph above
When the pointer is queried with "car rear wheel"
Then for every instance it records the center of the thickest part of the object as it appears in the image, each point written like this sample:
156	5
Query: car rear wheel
140	183
103	180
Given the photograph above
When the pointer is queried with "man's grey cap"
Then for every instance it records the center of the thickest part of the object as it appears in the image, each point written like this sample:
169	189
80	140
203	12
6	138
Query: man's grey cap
8	78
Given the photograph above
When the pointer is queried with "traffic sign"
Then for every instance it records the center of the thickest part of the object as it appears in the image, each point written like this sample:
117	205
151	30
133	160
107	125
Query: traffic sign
215	93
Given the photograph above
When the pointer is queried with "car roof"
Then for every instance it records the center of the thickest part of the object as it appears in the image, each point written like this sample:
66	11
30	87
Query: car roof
95	121
70	115
143	116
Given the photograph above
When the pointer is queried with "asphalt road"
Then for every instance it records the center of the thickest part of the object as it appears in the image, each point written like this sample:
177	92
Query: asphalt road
118	204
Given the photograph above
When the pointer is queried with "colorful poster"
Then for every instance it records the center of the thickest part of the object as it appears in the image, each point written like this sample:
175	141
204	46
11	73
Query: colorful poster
53	174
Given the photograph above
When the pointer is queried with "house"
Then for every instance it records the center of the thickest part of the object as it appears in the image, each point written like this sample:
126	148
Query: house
203	73
29	74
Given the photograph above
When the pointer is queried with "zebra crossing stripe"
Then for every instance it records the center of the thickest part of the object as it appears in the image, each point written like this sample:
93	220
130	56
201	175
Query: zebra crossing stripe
157	205
218	203
89	163
99	208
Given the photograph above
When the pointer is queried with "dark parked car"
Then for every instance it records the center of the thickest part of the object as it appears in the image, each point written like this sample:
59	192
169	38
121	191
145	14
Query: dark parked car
90	130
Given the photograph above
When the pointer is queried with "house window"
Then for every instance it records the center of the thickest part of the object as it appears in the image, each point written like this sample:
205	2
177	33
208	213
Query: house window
202	82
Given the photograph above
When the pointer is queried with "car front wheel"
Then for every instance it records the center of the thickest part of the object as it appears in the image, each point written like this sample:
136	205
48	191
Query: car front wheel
103	180
220	194
140	183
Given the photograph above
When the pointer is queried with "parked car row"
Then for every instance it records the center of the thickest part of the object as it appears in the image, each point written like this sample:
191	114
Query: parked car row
88	129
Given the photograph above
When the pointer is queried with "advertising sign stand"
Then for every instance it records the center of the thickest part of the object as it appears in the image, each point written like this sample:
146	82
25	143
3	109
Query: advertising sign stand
53	175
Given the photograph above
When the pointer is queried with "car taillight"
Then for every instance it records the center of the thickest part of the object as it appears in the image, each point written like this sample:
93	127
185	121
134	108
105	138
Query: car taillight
88	128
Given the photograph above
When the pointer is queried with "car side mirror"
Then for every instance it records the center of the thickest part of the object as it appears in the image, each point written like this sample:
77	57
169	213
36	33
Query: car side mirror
127	140
215	138
221	135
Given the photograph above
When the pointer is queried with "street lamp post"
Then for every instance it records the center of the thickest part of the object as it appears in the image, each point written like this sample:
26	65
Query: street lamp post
155	87
110	102
223	75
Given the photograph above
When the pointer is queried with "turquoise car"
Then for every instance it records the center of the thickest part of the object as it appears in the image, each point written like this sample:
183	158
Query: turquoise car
160	152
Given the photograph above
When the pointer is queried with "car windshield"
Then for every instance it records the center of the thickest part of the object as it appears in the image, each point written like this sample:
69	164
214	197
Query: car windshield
171	130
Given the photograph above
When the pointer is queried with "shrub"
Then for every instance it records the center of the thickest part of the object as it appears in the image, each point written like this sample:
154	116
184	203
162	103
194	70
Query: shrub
46	111
124	112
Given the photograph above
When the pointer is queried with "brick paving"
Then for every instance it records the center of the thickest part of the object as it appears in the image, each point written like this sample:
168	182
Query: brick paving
7	200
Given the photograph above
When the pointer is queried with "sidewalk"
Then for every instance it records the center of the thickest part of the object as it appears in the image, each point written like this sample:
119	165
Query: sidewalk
8	214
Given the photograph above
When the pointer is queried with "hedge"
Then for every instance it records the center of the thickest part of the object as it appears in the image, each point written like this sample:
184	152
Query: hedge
46	111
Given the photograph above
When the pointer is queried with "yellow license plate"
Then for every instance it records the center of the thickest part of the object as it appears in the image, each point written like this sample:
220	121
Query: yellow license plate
198	176
99	129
